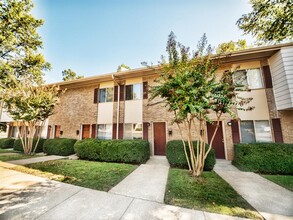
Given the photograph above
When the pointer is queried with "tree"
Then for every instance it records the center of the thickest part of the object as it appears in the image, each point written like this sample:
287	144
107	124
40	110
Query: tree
269	21
231	46
123	67
70	75
188	86
19	41
29	106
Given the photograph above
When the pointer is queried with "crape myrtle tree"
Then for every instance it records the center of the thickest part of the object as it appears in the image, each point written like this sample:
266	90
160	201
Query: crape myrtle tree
270	21
22	93
188	86
29	105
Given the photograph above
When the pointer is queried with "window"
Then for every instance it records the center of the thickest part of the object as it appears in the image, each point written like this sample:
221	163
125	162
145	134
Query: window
105	131
14	130
133	92
255	131
250	78
106	95
133	131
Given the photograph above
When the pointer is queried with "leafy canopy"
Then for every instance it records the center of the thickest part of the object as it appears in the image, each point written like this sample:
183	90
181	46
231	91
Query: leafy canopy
231	46
70	75
269	21
19	41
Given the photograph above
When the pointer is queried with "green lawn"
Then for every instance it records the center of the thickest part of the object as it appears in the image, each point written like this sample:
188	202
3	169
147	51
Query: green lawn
95	175
4	158
207	193
282	180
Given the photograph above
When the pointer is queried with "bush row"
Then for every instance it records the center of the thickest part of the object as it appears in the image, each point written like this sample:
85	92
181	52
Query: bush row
59	146
6	143
176	156
125	151
18	145
267	158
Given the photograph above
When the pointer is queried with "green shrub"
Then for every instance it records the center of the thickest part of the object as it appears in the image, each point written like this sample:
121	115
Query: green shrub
267	158
6	143
59	146
176	156
18	145
121	151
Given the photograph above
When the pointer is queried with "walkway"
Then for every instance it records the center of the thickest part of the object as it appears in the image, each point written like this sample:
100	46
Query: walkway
147	182
36	160
269	199
24	196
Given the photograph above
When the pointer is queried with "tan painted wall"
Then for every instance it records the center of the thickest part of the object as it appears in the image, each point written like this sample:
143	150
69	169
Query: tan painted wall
133	111
105	113
76	108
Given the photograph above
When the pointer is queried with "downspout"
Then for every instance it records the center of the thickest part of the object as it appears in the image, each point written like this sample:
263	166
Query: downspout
118	107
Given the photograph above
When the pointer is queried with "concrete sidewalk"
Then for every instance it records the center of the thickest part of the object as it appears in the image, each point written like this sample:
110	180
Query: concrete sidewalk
36	160
147	182
269	199
24	196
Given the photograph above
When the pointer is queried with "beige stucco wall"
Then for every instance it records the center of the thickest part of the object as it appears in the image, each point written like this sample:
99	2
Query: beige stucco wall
133	111
76	108
105	113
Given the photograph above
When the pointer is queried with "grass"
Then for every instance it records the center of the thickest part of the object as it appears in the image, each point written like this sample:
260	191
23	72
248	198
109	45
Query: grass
207	193
90	174
285	181
8	151
5	158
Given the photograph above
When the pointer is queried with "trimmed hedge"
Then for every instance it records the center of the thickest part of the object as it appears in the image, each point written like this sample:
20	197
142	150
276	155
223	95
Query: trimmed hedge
267	158
18	145
121	151
176	156
59	146
6	143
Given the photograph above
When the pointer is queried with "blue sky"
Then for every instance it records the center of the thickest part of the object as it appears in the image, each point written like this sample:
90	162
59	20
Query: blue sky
94	37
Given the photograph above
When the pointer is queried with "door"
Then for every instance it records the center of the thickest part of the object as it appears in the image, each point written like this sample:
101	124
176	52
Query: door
218	143
86	131
160	138
49	132
57	131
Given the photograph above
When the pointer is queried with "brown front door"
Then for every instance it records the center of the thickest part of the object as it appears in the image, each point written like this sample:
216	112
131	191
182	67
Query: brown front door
57	131
218	143
49	132
85	131
160	138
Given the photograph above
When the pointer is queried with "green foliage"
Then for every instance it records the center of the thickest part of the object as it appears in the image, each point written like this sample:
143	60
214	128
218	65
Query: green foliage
89	174
176	157
59	146
6	143
121	151
18	145
231	46
285	181
208	193
19	41
3	126
269	21
70	75
267	158
122	67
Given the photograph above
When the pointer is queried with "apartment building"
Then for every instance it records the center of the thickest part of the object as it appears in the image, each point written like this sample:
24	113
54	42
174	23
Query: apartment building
117	106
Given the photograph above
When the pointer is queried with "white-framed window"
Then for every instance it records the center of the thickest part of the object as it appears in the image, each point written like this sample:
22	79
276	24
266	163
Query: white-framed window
255	131
249	78
132	131
104	131
106	95
133	92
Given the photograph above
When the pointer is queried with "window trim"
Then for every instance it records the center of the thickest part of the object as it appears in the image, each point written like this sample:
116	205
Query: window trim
261	77
106	94
132	99
132	130
253	122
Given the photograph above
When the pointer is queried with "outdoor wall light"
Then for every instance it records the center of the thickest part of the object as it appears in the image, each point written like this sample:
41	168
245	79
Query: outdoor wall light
170	131
77	132
229	123
61	132
148	124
